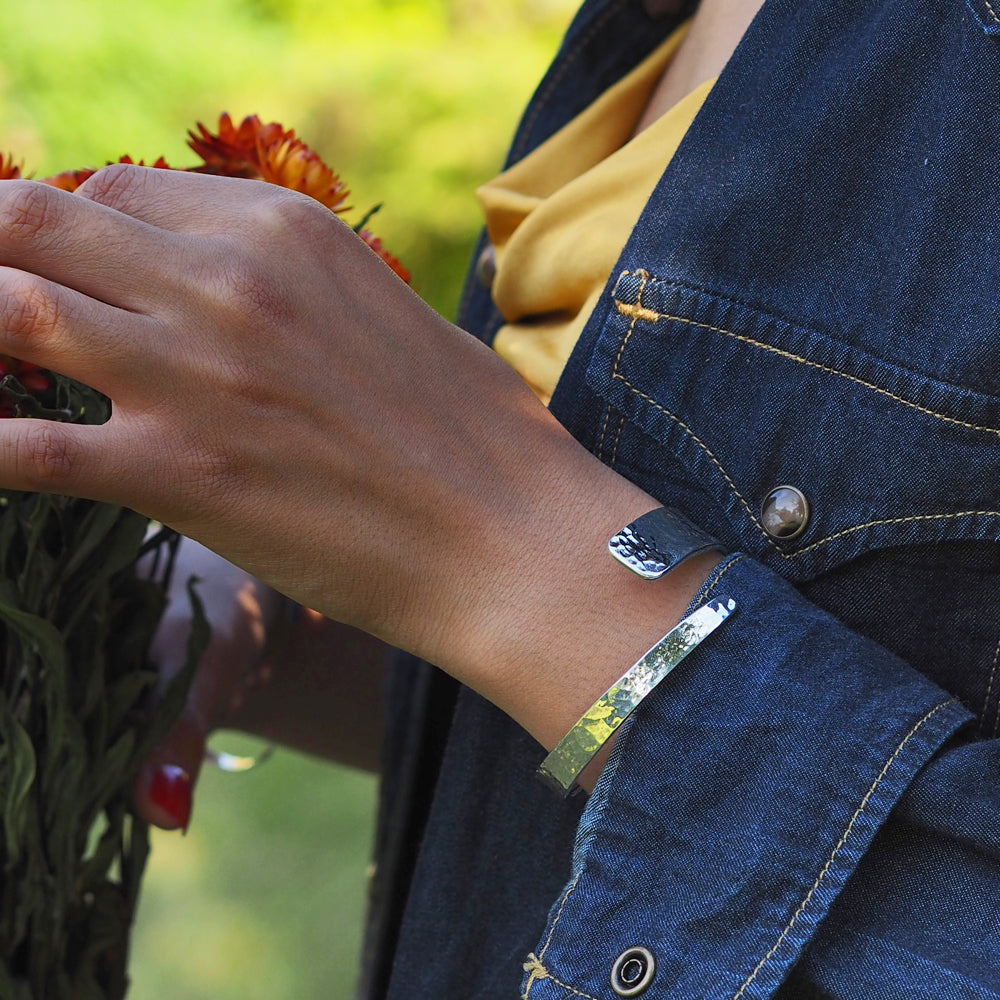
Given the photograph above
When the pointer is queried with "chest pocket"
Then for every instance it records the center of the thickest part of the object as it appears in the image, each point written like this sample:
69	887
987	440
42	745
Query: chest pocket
711	402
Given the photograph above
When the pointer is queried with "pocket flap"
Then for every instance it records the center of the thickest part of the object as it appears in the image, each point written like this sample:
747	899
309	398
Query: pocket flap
748	401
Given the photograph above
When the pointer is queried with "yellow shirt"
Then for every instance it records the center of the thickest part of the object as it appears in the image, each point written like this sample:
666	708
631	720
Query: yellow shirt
559	218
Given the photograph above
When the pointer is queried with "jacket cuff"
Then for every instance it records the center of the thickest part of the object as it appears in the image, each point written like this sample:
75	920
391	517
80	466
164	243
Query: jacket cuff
738	799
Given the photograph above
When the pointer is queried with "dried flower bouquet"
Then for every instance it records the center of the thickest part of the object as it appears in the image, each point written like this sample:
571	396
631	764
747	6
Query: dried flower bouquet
77	614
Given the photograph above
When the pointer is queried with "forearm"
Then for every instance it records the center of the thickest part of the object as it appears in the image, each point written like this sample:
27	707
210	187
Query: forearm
527	607
411	485
300	680
318	689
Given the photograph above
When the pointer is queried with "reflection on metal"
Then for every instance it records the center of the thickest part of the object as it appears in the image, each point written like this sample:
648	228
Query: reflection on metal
562	767
785	512
661	539
233	762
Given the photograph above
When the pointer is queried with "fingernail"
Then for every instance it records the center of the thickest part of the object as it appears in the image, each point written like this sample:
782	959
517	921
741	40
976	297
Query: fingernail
170	790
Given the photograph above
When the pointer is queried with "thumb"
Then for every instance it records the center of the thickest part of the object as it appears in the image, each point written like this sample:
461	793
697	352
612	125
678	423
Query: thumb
163	788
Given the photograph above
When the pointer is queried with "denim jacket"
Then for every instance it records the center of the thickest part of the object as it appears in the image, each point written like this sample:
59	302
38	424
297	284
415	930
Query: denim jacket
810	805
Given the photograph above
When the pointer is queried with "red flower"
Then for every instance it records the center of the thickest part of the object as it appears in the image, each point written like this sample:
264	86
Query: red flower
158	164
68	180
9	170
233	151
32	379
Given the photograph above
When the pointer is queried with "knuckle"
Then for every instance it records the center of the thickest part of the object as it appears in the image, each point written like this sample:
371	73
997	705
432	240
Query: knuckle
116	185
49	459
28	210
287	213
28	313
250	292
210	472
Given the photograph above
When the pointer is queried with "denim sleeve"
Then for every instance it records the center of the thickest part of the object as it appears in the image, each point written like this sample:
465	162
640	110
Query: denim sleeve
740	832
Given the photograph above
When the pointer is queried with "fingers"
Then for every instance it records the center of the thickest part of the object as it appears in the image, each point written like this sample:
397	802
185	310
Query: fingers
85	286
61	329
48	457
80	244
175	200
203	205
163	790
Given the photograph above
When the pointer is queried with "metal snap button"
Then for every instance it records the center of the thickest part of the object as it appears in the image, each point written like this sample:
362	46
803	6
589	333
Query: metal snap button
633	971
784	513
486	267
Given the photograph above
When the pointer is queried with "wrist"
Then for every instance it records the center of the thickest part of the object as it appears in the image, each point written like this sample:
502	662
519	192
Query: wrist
560	620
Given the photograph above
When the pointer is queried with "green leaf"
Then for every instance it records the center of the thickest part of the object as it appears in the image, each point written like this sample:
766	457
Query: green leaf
127	694
112	770
96	867
133	859
19	771
172	702
37	633
64	770
122	544
97	524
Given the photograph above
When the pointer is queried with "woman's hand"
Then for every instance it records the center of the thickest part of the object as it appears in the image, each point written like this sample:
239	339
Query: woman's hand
278	393
239	610
282	397
307	683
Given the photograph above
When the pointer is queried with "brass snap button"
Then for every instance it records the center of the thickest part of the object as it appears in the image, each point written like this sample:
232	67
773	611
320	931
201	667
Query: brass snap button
486	267
784	513
633	971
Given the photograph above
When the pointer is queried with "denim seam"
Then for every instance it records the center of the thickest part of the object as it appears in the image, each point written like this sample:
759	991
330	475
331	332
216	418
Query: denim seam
639	311
892	520
839	846
558	916
567	61
685	286
993	13
789	556
539	972
789	320
988	698
708	451
618	437
604	431
710	584
534	964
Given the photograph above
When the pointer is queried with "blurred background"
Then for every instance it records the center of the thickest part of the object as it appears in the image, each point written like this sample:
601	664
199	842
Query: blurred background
413	102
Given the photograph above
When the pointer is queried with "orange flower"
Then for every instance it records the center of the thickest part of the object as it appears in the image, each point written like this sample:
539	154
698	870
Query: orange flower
250	150
293	165
9	170
68	180
268	153
376	244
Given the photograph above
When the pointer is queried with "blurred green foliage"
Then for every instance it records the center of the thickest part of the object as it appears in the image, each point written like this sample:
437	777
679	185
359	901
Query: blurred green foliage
264	897
413	102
